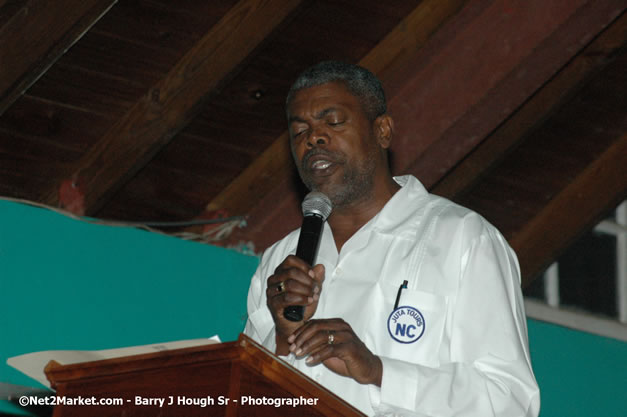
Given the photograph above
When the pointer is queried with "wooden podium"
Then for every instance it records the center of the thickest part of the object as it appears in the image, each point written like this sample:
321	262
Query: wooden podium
229	379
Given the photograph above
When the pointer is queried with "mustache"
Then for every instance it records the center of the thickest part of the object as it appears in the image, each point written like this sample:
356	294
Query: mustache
332	157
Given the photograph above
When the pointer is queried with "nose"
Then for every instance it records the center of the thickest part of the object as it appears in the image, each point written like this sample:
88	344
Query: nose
317	138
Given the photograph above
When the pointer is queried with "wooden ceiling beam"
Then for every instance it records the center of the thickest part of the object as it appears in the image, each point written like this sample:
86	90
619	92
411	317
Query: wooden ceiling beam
595	191
275	163
479	73
551	96
172	102
37	35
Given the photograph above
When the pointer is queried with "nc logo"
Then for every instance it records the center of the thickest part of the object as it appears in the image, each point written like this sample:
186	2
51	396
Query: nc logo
406	324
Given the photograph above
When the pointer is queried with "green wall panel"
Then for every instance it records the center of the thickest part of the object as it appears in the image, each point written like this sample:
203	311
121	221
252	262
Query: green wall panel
579	374
68	284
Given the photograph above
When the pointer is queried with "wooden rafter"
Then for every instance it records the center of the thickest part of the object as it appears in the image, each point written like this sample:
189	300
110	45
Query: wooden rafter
593	57
391	53
173	101
593	192
37	35
461	94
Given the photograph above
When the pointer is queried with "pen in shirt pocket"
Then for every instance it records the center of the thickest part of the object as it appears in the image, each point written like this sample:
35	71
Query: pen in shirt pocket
398	294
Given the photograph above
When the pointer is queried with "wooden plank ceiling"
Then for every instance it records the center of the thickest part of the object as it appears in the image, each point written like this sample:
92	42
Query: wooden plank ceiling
172	111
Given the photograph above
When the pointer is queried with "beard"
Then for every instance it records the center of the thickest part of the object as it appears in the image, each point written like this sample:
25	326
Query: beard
357	178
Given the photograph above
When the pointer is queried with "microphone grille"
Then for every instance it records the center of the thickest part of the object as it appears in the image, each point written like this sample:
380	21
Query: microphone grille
317	203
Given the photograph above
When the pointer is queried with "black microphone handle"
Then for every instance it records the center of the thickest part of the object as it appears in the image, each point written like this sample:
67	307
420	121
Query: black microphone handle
307	249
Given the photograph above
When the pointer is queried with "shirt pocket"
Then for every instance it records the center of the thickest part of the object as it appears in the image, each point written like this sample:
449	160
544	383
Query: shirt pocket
411	333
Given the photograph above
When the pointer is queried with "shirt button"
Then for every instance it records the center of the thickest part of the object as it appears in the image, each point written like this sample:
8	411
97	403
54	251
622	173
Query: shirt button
338	271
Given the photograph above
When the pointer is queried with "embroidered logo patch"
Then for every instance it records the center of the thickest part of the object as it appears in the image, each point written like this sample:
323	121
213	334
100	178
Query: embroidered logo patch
406	324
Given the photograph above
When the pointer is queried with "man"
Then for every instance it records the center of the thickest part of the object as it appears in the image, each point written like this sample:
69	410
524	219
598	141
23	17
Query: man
453	339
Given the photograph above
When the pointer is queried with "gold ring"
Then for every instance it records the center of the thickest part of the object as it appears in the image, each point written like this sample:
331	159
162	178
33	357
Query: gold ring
331	338
281	287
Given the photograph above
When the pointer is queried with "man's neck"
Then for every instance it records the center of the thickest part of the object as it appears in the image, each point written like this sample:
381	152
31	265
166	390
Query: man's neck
347	220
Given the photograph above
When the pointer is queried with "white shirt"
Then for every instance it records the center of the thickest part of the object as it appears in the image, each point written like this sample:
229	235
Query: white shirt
463	353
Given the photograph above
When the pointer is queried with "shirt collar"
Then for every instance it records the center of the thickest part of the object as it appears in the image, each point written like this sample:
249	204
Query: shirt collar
393	218
402	205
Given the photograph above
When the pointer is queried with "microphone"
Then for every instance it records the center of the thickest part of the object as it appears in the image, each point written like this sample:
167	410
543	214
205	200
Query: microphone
316	208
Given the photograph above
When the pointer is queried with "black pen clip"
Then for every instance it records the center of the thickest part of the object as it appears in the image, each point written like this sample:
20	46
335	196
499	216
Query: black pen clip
398	295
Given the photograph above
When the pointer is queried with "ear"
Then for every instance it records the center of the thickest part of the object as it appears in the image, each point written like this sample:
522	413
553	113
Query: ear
384	130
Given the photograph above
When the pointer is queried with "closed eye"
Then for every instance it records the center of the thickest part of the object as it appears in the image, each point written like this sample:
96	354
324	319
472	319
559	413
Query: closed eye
298	133
297	128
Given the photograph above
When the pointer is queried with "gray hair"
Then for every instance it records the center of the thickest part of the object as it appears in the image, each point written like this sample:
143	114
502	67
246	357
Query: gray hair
362	83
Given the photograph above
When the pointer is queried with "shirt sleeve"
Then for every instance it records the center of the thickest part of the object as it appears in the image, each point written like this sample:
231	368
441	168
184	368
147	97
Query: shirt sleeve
259	326
488	371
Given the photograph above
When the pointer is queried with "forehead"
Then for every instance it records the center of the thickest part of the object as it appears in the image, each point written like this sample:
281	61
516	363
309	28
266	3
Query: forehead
320	97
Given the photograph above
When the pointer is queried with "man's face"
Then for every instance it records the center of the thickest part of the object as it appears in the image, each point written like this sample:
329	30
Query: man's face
333	143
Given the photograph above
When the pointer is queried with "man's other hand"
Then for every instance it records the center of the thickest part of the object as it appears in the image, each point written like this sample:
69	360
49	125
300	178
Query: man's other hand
333	343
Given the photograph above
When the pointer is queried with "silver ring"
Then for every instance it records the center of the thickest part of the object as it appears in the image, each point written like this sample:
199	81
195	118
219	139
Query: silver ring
331	338
281	287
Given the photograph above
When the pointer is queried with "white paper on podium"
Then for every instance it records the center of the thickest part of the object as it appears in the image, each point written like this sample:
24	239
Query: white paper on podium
33	364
